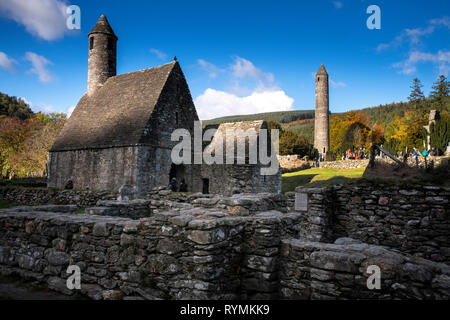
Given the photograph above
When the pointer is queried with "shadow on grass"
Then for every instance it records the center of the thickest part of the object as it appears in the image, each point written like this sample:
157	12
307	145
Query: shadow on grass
402	174
290	183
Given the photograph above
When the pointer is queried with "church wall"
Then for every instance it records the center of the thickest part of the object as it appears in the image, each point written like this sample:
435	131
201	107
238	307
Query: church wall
96	169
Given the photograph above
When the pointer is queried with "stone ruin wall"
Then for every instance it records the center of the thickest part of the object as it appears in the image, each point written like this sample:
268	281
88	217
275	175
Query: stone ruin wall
240	247
412	219
96	169
239	178
198	254
42	196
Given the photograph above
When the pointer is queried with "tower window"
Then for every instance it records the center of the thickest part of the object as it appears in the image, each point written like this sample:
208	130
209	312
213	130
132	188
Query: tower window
318	79
91	43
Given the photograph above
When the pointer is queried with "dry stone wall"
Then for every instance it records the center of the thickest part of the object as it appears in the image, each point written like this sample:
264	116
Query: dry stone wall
413	219
314	270
246	246
40	196
190	254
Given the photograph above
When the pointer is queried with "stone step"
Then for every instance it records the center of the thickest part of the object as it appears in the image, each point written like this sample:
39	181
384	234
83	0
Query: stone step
103	211
123	203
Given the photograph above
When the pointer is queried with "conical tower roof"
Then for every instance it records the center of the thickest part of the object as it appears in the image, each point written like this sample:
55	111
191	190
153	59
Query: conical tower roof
103	26
322	70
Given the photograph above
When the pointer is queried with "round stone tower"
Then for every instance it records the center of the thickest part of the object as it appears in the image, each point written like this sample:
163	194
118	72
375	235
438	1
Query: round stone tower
102	54
321	124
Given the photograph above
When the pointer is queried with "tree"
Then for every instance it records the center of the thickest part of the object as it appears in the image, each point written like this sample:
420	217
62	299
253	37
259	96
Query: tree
440	135
291	143
416	91
440	91
14	107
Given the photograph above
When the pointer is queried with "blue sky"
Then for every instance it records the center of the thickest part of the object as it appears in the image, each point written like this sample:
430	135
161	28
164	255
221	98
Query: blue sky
238	56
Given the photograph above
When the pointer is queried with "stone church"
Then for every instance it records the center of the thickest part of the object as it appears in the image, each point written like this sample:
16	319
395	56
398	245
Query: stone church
120	132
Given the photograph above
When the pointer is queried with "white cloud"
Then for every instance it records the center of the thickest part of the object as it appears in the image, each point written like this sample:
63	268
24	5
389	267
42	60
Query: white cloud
337	84
251	91
338	4
39	64
7	63
245	69
441	59
43	18
213	103
414	36
212	69
26	101
69	111
161	55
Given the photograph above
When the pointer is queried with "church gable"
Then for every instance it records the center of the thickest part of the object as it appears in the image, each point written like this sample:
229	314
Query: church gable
174	109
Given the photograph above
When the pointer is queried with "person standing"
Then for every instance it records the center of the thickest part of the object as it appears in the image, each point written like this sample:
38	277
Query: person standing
173	184
183	186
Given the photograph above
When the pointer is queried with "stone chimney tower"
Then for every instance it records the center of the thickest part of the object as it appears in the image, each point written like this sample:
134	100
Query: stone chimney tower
321	125
102	54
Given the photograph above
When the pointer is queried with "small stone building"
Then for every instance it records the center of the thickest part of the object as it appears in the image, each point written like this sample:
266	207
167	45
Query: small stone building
244	175
119	134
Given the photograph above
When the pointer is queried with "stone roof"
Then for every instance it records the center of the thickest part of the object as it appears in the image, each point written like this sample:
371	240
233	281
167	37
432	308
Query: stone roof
322	70
116	114
220	138
103	26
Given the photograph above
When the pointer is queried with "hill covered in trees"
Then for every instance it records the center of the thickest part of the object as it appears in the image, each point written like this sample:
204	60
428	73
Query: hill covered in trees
11	106
280	116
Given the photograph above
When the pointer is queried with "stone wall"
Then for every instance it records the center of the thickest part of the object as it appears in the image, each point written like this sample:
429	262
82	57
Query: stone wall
413	219
229	179
95	169
39	196
190	254
344	164
314	270
245	246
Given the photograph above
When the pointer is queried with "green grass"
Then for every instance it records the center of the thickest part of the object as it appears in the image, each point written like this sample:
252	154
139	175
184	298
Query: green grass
317	177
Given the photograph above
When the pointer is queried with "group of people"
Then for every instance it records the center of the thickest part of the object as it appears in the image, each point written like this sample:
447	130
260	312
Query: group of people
425	153
173	185
350	155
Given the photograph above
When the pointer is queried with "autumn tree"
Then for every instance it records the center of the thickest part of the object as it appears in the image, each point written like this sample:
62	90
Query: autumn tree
24	144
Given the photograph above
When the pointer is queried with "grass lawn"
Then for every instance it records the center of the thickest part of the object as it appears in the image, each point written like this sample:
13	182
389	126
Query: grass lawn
317	177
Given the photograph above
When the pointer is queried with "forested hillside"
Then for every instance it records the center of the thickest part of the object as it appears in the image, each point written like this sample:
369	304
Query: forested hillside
281	117
25	138
14	107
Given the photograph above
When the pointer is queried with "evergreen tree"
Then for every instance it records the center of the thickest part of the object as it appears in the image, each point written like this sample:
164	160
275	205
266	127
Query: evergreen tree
416	91
440	91
440	135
